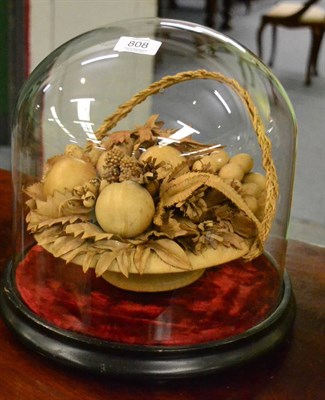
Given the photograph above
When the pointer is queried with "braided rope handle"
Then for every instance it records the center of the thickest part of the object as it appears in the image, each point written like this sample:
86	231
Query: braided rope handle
263	140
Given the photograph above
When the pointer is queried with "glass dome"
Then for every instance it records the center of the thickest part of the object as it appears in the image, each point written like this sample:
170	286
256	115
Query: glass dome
153	164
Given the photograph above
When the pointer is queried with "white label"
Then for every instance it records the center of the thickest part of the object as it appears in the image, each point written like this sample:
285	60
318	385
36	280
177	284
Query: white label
137	45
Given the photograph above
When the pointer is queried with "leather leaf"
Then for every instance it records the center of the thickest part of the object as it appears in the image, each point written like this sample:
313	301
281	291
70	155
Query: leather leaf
171	253
104	262
87	231
140	258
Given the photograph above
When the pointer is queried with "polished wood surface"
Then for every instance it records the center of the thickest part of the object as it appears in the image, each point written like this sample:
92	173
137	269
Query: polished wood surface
295	371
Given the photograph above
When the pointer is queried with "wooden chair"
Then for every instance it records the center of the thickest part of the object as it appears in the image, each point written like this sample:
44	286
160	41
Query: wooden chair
295	15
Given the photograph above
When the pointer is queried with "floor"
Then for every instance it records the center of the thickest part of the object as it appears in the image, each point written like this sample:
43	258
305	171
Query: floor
307	221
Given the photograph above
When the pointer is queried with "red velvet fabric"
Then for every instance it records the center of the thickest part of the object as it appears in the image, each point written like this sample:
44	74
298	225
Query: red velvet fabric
226	301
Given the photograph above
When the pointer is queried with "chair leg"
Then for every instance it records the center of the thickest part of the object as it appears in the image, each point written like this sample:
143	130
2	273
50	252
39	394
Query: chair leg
210	13
317	36
273	46
259	40
320	36
248	5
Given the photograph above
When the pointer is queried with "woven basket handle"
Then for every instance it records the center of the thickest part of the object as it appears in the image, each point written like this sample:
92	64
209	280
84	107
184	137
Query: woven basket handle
263	140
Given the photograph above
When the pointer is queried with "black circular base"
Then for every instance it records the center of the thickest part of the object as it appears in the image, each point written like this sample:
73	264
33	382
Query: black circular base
135	361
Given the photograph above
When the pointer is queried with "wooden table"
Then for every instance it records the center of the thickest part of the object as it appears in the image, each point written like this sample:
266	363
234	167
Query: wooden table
295	371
